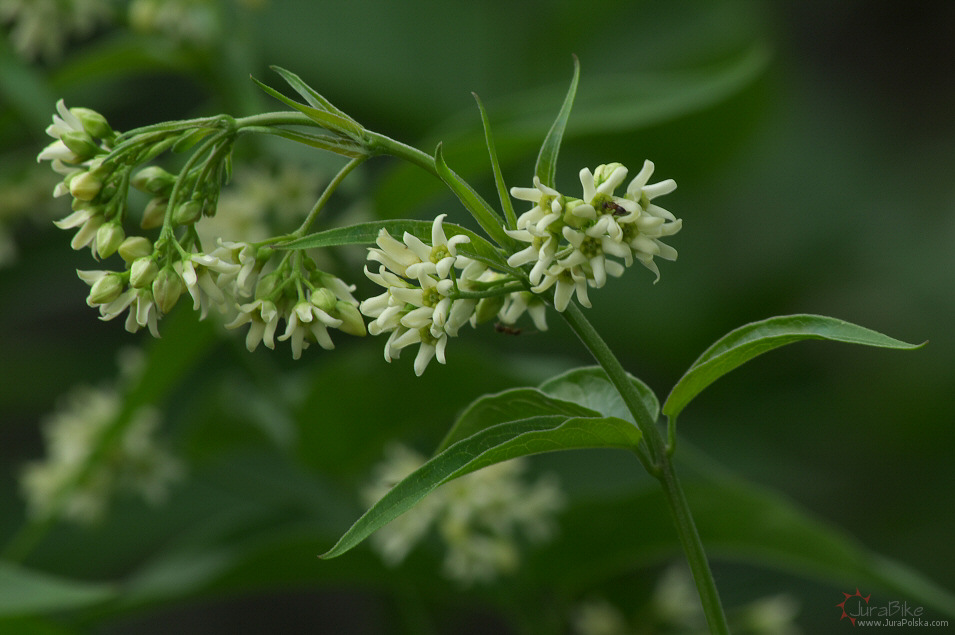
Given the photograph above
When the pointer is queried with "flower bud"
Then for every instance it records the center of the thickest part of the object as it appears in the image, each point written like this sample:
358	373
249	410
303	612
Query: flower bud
604	172
488	308
105	290
267	285
352	322
154	214
80	144
135	247
154	180
167	287
85	186
108	239
324	299
93	123
187	213
142	272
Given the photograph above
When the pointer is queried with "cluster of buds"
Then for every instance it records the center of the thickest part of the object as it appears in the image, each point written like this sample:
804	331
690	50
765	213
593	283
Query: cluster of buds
570	239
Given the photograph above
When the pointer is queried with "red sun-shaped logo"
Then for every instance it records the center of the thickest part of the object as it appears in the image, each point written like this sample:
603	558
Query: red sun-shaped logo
849	596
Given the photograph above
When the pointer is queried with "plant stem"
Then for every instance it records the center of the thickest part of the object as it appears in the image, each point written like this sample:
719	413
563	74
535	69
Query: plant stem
661	467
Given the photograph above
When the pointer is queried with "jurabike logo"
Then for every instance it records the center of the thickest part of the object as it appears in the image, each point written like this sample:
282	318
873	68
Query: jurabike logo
858	610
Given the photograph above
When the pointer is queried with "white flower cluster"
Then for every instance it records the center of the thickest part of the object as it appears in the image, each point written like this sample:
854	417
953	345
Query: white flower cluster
41	28
85	467
479	517
570	240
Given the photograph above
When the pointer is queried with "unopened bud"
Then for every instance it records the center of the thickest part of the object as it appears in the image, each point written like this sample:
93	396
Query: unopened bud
267	285
167	287
105	290
85	186
142	272
604	172
187	213
108	239
135	247
488	308
324	299
93	123
154	180
352	322
80	144
154	214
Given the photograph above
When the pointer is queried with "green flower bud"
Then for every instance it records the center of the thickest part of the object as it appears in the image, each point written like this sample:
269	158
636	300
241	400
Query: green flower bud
108	239
80	144
488	308
154	214
142	272
105	290
187	213
85	186
154	180
352	322
135	247
603	172
267	285
93	123
167	287
324	299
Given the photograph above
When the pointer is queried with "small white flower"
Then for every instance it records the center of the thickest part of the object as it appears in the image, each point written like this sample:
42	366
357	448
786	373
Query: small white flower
307	321
201	275
263	318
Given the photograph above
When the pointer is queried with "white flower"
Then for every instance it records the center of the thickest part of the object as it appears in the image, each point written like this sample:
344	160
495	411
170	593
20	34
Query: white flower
263	318
519	302
424	313
480	517
65	485
41	28
308	321
201	275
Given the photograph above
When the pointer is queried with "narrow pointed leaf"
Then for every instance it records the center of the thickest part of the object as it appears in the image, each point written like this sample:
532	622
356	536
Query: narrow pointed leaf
502	190
308	93
510	405
589	387
745	343
323	142
484	214
366	234
24	591
546	168
498	443
328	120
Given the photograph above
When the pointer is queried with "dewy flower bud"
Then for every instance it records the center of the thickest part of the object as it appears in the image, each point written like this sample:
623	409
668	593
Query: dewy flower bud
80	144
187	213
167	287
105	290
85	186
154	180
108	239
135	247
93	123
154	214
352	322
142	272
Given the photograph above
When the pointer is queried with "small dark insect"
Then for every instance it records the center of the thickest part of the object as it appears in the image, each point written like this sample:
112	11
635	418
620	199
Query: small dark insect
500	327
617	209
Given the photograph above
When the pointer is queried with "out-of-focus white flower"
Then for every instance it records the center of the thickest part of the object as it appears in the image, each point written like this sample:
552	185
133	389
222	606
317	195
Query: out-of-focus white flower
599	617
481	517
41	28
86	464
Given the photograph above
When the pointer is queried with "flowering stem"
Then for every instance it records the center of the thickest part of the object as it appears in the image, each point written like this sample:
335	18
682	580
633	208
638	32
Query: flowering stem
329	190
658	463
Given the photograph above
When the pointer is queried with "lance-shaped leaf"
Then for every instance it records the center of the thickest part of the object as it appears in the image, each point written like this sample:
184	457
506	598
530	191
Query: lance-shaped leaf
546	167
367	233
310	94
489	220
745	343
329	120
589	387
24	591
343	147
502	190
534	435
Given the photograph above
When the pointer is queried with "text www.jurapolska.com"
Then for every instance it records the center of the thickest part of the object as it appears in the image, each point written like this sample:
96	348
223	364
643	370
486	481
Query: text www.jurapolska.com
916	622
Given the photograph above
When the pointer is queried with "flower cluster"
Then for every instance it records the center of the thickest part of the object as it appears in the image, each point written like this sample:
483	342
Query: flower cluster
65	484
479	517
41	28
571	241
421	281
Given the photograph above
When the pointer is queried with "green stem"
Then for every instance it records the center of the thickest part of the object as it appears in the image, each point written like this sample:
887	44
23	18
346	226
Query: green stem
661	467
329	190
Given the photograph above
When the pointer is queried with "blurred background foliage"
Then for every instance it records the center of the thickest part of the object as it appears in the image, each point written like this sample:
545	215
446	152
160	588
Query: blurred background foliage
813	147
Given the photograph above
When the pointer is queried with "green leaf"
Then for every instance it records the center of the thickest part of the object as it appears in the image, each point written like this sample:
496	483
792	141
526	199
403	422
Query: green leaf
24	591
328	120
546	167
590	388
745	343
489	220
498	443
366	234
311	96
509	405
337	145
502	190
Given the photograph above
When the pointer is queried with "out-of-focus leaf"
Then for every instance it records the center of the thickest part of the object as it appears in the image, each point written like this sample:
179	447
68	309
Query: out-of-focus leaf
745	343
24	591
498	443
